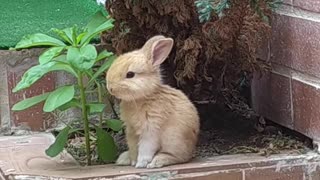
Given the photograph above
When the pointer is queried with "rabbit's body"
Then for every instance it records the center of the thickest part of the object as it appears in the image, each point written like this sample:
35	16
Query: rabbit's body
162	125
168	113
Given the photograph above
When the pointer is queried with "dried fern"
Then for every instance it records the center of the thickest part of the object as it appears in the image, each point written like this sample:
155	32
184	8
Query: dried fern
216	41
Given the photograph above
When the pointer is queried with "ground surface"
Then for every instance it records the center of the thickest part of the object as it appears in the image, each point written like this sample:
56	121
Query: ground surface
21	17
230	137
243	137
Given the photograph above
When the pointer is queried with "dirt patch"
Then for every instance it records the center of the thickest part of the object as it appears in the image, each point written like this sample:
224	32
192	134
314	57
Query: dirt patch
238	139
235	131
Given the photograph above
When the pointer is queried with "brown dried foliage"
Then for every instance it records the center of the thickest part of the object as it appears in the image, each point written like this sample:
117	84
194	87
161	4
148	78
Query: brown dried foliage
208	59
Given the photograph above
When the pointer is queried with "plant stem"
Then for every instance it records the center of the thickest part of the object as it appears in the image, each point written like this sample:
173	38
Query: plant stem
113	110
85	118
100	101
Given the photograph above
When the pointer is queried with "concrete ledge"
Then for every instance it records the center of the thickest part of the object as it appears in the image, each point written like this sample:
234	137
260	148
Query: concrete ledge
23	158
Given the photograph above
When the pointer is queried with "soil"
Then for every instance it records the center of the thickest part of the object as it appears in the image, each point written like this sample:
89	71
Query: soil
225	136
245	138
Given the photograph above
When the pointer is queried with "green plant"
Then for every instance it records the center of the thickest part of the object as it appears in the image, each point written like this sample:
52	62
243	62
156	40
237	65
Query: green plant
72	52
207	7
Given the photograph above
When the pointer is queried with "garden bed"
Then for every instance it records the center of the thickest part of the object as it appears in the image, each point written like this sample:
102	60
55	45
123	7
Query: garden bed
225	137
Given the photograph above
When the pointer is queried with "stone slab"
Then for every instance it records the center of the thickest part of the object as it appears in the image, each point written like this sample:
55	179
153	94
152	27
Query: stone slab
20	154
23	157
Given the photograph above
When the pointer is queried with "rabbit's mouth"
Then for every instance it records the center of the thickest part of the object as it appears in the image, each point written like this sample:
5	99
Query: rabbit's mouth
131	91
120	93
128	95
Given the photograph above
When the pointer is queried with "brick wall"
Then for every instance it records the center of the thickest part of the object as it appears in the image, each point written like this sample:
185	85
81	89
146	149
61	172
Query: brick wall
290	94
13	64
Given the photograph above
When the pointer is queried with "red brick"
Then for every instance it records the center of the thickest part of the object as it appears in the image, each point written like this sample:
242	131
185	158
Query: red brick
271	98
34	116
17	63
306	103
285	173
295	43
310	5
281	41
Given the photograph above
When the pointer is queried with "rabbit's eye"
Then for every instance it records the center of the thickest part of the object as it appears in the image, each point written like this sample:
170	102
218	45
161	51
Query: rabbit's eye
130	74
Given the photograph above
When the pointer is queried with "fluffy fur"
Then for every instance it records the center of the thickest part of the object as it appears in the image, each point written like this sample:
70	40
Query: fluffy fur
162	125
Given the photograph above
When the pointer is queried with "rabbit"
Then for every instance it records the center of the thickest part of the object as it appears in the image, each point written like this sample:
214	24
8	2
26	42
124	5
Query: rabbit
161	123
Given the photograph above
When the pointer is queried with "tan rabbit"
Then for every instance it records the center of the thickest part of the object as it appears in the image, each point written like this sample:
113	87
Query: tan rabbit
162	125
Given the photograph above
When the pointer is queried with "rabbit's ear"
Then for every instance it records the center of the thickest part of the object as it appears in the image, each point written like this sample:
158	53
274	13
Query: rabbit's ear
161	50
157	49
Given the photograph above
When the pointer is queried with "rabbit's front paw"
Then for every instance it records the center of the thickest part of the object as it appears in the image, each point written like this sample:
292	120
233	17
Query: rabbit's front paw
143	161
133	163
156	163
123	159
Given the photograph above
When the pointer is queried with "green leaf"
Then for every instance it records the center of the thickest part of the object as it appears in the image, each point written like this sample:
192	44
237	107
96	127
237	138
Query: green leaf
275	4
75	130
83	58
63	34
96	108
92	33
38	39
36	72
59	97
80	36
63	66
60	58
102	69
49	54
60	142
29	102
68	34
114	124
73	103
73	35
107	150
104	54
97	19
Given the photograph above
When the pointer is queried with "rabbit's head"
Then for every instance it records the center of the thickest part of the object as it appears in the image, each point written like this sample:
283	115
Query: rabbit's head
136	74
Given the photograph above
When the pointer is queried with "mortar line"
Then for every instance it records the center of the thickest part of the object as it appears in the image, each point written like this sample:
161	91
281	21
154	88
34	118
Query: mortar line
291	102
243	175
5	119
297	12
296	75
